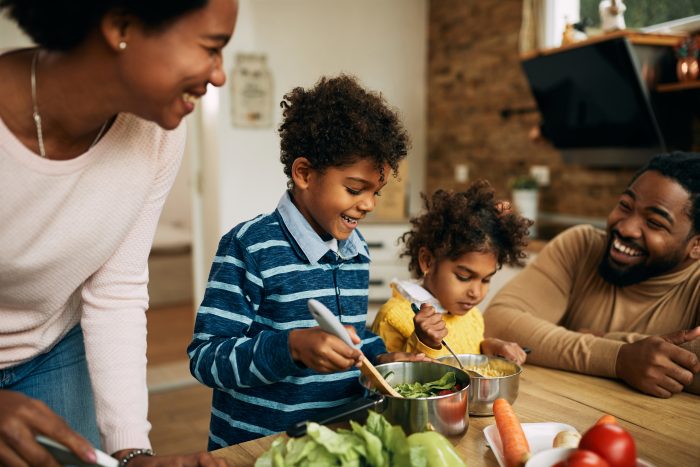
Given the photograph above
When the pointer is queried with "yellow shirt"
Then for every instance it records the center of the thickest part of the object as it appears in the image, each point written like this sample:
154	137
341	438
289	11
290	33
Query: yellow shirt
394	324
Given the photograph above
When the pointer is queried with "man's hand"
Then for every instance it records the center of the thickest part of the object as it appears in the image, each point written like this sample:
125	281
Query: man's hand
657	365
322	351
430	327
21	419
500	348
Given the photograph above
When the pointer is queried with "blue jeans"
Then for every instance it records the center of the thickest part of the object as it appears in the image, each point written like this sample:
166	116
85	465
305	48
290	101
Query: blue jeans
60	379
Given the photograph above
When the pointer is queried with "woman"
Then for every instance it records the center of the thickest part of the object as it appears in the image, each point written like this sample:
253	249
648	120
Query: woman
90	141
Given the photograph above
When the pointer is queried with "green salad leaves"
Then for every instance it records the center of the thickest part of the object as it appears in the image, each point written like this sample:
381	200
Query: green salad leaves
377	443
433	388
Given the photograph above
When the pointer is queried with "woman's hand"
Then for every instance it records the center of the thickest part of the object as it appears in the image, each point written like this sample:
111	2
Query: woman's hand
21	419
430	327
200	459
322	351
509	350
403	357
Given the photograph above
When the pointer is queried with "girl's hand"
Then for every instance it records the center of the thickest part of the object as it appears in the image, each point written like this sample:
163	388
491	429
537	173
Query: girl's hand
322	351
430	327
403	357
509	350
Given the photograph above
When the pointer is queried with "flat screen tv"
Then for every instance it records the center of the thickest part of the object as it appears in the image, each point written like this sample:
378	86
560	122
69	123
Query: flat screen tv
594	104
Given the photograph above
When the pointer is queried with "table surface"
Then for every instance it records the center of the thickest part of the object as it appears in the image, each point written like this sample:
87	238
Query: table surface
667	431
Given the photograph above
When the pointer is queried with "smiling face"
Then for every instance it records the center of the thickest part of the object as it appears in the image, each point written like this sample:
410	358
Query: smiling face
459	284
649	232
166	70
335	200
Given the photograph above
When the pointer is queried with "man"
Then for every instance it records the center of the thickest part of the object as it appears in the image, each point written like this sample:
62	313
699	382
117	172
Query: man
623	303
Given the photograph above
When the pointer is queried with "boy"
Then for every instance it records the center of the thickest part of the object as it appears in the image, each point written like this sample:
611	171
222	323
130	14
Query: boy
255	341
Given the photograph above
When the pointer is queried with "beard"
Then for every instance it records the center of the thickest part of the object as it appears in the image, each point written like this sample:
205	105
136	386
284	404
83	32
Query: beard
622	276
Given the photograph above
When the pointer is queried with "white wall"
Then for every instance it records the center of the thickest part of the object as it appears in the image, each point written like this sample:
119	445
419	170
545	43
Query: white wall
10	35
382	42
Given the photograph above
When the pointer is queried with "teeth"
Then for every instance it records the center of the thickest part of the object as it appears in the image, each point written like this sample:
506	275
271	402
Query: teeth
625	249
189	98
349	219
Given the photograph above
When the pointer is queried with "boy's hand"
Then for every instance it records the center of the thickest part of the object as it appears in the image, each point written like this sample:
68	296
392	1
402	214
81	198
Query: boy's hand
430	327
509	350
403	357
322	351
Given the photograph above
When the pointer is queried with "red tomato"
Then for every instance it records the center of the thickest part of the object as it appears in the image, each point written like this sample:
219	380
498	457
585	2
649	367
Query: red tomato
612	443
584	458
445	392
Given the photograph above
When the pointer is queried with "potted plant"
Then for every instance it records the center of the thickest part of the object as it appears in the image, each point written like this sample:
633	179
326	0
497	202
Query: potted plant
525	190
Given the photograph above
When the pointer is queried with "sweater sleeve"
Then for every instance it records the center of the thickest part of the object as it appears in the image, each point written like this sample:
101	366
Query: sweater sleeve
528	309
113	320
221	353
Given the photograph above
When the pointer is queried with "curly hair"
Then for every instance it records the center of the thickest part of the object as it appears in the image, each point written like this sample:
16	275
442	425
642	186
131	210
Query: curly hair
338	122
63	25
455	223
684	168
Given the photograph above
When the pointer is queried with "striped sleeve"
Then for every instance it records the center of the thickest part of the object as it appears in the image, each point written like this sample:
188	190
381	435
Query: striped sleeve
221	353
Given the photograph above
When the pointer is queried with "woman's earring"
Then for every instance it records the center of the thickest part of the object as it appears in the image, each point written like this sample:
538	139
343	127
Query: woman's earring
122	45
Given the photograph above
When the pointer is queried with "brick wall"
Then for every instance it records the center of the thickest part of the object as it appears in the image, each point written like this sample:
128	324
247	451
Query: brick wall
473	73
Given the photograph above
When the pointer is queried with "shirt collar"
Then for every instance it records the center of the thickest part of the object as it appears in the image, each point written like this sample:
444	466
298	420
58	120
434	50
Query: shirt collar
311	243
414	292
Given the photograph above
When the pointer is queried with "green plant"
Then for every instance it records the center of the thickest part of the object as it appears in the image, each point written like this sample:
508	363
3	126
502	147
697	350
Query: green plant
524	182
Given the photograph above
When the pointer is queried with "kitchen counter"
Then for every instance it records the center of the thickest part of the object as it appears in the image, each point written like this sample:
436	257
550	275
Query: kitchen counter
665	430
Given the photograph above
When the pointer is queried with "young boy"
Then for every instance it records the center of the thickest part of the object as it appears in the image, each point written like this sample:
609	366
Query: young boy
255	341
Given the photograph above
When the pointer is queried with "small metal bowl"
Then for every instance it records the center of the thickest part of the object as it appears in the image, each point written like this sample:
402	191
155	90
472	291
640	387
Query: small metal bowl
485	390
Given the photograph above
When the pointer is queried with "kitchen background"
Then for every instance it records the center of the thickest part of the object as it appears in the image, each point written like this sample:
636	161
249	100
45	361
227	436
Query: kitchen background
451	67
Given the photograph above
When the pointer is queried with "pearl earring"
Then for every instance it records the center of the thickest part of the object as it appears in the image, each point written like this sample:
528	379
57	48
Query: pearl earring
122	45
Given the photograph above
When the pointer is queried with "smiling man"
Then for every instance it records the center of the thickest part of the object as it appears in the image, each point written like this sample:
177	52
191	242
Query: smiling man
624	302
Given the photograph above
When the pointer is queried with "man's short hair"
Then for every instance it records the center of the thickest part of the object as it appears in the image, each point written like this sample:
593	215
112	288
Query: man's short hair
684	168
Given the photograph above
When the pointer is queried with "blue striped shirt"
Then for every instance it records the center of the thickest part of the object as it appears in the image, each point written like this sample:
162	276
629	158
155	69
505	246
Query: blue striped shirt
264	272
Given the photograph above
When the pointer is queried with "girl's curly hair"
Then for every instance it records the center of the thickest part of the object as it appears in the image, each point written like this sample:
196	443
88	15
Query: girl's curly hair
457	223
336	123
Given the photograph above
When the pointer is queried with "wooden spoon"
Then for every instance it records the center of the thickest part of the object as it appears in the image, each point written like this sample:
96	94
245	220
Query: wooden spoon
330	323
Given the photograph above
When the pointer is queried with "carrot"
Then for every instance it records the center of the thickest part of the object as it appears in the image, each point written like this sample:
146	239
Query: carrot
516	450
606	419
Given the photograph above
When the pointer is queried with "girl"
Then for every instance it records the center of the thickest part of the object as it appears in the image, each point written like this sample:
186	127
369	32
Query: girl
455	248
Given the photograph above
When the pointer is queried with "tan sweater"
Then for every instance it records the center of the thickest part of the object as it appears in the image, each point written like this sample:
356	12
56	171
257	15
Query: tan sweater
561	290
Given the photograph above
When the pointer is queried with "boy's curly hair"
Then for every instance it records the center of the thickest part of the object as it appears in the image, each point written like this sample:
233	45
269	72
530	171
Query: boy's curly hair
336	123
458	223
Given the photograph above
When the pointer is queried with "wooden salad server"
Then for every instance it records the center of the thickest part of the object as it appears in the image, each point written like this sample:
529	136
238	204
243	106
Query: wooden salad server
330	323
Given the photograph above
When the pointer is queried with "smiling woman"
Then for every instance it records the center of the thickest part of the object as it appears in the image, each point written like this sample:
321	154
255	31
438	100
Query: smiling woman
90	142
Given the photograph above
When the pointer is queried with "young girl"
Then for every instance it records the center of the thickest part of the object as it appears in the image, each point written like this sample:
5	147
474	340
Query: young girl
455	248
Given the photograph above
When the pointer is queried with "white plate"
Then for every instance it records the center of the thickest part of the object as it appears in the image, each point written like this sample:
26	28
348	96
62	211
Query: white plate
549	457
540	437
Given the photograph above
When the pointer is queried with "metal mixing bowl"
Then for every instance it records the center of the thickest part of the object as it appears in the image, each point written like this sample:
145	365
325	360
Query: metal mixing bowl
483	391
446	414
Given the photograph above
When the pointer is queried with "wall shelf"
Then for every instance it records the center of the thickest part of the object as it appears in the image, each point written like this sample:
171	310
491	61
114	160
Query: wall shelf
680	86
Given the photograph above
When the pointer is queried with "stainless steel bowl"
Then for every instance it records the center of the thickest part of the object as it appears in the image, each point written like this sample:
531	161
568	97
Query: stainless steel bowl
446	414
485	390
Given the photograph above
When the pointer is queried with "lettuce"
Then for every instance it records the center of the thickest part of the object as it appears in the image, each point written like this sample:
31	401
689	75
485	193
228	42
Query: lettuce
377	443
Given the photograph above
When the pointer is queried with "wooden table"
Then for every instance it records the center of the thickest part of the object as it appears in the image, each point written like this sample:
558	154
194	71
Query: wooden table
667	431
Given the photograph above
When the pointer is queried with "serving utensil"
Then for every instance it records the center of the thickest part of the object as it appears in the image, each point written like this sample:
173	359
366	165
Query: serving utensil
330	323
474	373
